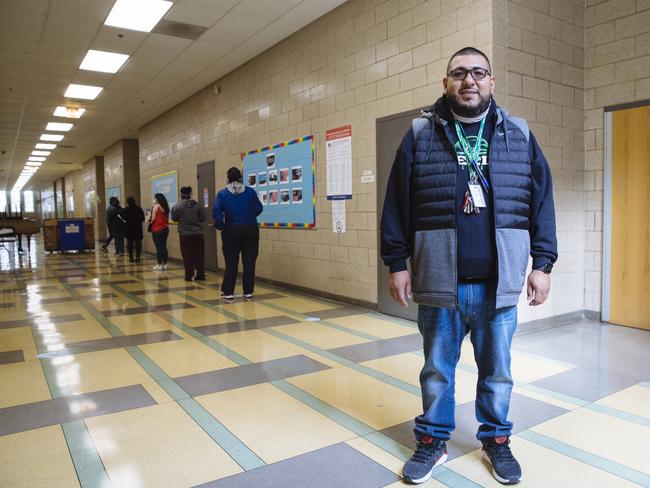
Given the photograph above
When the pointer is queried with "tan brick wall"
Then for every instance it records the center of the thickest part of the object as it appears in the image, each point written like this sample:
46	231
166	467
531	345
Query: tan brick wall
539	63
121	168
617	71
364	60
114	170
69	195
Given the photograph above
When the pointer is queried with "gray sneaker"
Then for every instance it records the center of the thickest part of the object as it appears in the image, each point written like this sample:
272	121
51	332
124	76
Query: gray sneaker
505	467
430	452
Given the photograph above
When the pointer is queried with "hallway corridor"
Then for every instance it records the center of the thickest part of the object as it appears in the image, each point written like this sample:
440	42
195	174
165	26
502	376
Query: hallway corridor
114	375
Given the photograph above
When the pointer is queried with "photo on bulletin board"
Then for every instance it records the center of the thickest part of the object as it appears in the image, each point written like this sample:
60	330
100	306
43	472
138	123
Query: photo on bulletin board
167	184
114	191
285	177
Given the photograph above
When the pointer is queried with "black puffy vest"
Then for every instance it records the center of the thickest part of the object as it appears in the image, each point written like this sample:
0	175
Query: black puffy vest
433	176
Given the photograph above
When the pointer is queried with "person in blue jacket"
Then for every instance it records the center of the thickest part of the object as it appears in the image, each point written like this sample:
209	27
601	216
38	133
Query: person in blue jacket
469	201
235	214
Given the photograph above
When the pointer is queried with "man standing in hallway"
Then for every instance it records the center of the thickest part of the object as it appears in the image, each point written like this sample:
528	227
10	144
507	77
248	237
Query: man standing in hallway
469	198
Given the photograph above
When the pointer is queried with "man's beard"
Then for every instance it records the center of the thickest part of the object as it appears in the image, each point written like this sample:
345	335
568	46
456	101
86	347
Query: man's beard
465	111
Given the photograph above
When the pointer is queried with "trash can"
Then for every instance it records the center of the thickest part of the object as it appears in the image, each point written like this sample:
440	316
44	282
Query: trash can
72	236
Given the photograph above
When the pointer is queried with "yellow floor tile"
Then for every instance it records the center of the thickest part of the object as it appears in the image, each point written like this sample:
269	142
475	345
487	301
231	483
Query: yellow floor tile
65	333
187	356
95	371
141	323
320	335
527	368
593	432
22	383
374	326
407	367
540	467
14	314
367	399
120	302
635	400
18	338
194	317
251	310
265	430
95	290
203	294
157	392
139	285
158	446
257	345
163	299
56	308
301	305
37	457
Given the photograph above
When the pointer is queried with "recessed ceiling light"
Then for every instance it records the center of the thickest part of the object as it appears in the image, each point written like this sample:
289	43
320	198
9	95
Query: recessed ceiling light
58	126
85	92
51	137
41	153
103	61
34	163
30	169
69	112
43	145
140	15
36	158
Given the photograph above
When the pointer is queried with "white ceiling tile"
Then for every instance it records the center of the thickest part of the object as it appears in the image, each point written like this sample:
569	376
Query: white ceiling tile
267	10
118	40
204	53
232	30
189	14
223	5
308	11
180	71
96	10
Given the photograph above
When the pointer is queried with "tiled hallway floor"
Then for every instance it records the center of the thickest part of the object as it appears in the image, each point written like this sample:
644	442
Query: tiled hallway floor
114	375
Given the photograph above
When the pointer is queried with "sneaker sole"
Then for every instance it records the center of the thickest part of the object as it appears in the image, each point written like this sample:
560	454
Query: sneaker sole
501	480
427	476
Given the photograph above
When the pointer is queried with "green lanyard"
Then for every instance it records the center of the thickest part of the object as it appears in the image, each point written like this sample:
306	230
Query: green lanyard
471	153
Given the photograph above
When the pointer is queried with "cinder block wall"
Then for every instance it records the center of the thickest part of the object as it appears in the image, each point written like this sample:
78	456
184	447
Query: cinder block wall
365	60
618	71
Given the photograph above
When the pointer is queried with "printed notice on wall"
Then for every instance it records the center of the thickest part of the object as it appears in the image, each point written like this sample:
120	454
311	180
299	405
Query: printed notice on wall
338	153
338	216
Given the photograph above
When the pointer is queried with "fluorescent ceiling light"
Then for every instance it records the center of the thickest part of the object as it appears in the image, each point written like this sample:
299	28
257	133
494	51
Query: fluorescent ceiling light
58	126
139	15
51	137
43	145
34	163
41	153
29	169
69	112
36	158
85	92
103	61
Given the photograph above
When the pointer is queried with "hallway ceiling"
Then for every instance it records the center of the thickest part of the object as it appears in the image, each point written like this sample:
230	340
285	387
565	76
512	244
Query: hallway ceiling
42	44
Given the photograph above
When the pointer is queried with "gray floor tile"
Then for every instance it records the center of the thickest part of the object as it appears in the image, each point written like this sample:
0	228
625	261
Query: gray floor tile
335	313
335	466
248	374
380	349
113	343
586	383
524	414
56	411
244	325
8	357
9	324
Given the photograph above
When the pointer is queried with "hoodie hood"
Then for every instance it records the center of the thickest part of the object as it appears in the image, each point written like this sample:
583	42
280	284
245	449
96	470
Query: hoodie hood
188	202
235	187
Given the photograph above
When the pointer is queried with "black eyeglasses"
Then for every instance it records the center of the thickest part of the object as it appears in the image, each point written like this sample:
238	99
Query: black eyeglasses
459	74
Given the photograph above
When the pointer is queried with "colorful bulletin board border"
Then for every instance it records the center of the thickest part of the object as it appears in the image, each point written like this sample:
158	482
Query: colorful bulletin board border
265	162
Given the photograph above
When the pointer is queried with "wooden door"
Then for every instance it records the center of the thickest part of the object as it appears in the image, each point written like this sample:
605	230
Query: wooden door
630	218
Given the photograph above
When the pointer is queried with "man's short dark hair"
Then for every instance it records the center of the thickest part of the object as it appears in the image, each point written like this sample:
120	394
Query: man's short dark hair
234	175
469	50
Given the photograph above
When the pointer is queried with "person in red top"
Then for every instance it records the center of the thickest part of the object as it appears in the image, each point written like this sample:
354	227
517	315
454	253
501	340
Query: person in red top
160	230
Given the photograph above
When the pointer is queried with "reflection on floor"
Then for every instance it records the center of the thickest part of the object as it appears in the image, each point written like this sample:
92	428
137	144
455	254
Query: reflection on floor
114	375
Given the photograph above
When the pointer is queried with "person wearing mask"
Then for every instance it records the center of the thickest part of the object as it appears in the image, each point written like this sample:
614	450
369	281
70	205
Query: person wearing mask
116	226
160	230
235	214
134	217
190	217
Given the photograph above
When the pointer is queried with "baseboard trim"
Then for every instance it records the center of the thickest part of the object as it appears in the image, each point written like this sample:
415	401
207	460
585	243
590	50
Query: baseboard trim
558	321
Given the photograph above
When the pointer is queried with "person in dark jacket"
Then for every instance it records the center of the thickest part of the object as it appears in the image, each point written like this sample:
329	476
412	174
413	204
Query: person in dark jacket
190	217
235	214
116	225
469	200
134	217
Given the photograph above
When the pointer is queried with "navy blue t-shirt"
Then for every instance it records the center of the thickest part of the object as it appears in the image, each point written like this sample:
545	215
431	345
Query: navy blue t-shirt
477	255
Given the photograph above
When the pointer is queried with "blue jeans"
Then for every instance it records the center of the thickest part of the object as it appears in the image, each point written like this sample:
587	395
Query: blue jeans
160	240
491	331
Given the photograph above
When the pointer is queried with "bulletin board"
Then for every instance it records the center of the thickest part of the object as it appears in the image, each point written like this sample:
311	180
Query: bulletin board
114	191
167	184
284	176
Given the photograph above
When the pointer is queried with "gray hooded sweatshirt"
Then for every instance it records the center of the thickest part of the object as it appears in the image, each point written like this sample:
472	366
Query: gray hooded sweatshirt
189	215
